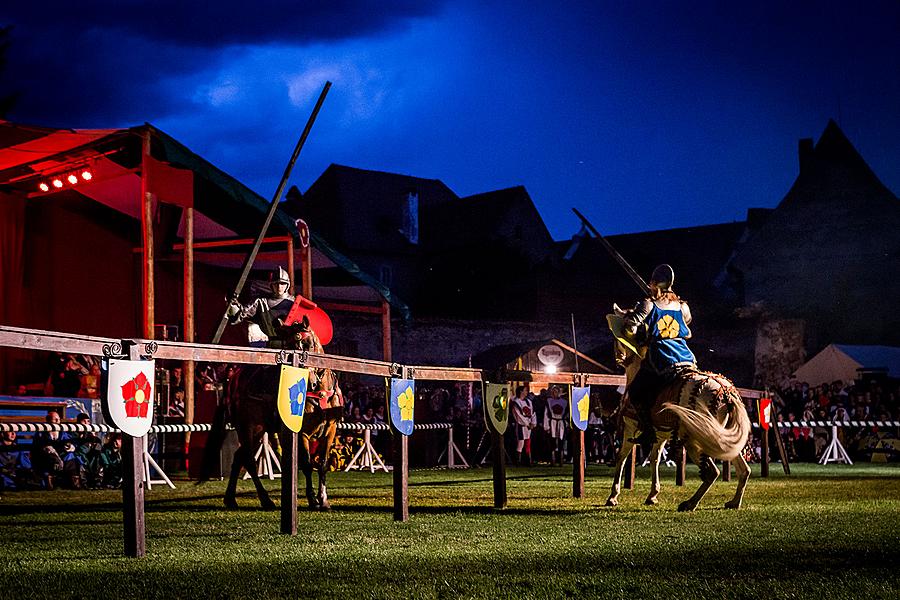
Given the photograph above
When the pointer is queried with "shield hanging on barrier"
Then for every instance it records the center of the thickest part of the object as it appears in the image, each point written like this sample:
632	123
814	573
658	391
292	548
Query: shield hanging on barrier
580	406
130	394
402	400
292	386
496	406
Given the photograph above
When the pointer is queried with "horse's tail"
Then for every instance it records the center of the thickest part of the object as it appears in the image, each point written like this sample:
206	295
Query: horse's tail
214	443
718	440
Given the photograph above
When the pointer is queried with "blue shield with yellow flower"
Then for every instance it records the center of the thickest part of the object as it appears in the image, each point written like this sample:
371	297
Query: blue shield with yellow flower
402	404
580	406
292	386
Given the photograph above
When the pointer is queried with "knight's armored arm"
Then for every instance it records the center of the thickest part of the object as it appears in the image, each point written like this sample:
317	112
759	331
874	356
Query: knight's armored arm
638	315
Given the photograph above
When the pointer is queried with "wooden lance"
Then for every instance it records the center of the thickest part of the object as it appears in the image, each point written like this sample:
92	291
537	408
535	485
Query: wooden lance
248	263
615	254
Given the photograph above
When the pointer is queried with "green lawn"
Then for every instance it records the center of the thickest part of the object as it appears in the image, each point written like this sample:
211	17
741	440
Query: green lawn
825	532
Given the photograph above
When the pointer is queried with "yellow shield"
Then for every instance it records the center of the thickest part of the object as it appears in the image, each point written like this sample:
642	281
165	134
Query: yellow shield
292	387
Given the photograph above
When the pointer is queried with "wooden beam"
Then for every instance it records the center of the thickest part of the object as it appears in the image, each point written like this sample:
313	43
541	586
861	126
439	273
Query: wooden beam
288	481
290	265
275	239
306	270
367	309
147	287
498	467
386	331
400	476
577	463
188	379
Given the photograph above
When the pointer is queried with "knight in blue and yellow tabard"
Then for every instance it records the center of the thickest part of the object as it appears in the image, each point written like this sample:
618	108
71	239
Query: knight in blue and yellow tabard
662	321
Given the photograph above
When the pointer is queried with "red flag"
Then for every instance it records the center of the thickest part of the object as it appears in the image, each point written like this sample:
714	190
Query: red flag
169	184
765	412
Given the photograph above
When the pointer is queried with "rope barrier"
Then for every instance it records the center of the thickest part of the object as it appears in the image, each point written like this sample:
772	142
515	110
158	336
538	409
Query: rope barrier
197	427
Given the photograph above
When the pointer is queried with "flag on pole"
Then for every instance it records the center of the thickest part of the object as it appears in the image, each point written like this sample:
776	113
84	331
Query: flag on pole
765	412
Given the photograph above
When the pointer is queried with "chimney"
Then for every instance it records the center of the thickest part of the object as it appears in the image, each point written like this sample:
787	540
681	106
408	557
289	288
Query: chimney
806	155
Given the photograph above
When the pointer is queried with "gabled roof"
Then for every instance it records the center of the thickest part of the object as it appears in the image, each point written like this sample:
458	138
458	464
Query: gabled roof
225	206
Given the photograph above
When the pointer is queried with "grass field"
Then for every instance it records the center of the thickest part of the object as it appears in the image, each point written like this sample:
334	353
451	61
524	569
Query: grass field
824	532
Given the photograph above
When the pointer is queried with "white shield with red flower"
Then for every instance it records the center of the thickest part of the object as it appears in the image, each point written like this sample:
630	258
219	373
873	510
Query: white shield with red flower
130	395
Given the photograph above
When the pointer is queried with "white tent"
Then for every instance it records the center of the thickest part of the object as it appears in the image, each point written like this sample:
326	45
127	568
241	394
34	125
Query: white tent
842	362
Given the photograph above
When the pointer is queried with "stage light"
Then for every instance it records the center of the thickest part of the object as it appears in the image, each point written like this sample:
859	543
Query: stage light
550	369
44	187
72	179
86	175
57	182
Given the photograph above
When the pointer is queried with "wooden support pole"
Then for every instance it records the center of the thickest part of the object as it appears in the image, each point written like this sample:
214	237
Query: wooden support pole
401	476
306	271
764	459
577	463
680	464
133	485
498	463
149	312
726	470
189	334
289	442
628	479
290	266
386	330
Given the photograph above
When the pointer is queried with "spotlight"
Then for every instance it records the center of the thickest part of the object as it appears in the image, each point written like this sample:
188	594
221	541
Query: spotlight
72	179
44	187
57	182
550	369
86	175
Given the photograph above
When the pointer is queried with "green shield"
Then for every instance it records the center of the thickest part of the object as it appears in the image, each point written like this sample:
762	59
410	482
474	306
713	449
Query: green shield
496	406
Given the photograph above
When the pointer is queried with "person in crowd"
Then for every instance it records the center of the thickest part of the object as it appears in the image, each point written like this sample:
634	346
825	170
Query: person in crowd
662	321
111	460
555	425
53	457
15	464
87	451
524	421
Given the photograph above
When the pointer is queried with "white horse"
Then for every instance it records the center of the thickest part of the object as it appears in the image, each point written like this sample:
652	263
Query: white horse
705	410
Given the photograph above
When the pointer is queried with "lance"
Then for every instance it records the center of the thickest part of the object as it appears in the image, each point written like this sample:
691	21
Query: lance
248	263
615	254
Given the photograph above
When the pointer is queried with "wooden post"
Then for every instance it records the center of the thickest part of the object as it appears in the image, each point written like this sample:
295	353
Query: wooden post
726	470
401	476
764	459
498	461
188	376
386	330
577	463
149	313
628	479
306	270
290	265
133	484
288	481
680	464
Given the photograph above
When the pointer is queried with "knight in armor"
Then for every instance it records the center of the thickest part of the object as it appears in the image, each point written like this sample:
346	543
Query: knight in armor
266	314
661	321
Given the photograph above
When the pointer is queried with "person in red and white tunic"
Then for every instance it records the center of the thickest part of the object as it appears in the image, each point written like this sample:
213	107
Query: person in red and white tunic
555	424
525	420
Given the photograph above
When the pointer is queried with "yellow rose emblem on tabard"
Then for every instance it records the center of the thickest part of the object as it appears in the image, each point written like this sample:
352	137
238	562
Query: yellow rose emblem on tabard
668	327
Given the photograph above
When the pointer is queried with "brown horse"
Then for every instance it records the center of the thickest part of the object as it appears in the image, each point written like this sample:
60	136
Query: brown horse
704	411
251	397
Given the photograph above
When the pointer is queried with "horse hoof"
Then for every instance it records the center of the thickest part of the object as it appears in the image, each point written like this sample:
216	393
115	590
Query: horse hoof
612	502
732	505
231	503
325	507
651	502
686	507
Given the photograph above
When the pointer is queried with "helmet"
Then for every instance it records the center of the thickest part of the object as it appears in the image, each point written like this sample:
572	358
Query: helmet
279	275
663	277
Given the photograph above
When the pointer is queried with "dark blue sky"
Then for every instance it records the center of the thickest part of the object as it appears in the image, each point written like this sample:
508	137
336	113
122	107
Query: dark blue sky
643	115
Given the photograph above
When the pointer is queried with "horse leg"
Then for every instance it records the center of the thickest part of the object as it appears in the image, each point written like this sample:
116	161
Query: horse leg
621	457
322	498
655	456
708	475
250	466
743	473
231	489
305	461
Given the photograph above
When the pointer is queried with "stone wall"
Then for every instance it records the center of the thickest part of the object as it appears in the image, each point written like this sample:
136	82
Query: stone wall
780	350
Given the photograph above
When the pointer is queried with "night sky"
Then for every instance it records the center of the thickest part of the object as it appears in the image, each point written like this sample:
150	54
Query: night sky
644	115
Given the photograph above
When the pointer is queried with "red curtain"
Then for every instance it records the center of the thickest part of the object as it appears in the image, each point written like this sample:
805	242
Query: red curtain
12	260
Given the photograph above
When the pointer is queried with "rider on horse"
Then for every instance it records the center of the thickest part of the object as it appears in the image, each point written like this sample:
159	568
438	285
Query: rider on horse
268	313
661	321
